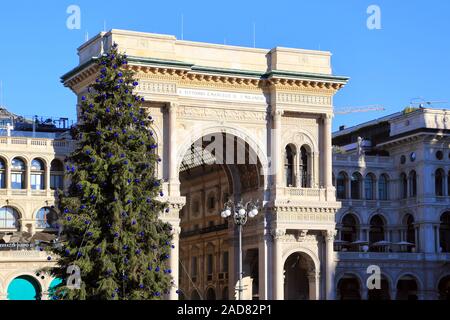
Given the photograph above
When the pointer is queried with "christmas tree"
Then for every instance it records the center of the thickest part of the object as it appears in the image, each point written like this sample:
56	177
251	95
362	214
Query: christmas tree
109	214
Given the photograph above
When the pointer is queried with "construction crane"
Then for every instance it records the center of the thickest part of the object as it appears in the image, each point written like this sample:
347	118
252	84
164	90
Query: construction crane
368	108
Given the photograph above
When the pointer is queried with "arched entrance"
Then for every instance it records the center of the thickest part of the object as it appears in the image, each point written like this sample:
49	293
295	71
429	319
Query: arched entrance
24	288
444	288
348	288
299	277
210	294
382	293
407	288
216	168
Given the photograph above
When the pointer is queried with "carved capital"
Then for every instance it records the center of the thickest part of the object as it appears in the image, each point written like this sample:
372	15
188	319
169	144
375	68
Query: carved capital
277	234
329	234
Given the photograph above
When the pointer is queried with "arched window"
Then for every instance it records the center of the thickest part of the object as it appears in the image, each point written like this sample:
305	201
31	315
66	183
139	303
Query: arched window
355	185
289	166
56	175
2	174
37	174
383	187
9	218
412	184
444	232
403	186
349	231
439	182
410	232
341	186
448	183
18	174
369	186
376	232
304	176
46	218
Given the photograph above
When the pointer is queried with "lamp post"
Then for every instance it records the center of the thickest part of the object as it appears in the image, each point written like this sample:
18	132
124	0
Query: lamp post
241	212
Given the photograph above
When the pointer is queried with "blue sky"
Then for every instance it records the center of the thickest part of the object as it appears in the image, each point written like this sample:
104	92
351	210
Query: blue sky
408	58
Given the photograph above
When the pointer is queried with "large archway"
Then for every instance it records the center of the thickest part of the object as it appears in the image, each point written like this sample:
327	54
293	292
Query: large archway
444	288
349	288
216	168
24	288
299	277
407	288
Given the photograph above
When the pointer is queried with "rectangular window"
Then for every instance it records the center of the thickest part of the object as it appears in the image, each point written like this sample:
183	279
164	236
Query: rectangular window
2	180
225	262
37	181
56	182
17	181
194	266
209	264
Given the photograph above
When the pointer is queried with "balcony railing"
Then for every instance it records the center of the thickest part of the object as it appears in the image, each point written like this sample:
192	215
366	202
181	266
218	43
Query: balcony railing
306	193
38	143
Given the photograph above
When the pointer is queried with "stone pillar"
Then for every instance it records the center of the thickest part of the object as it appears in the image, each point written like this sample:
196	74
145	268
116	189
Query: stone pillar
278	274
8	176
393	291
262	267
437	237
173	263
278	150
330	265
47	177
327	152
174	181
427	232
314	281
298	174
28	178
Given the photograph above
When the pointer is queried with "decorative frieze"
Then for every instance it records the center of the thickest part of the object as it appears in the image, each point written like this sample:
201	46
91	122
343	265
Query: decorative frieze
156	87
293	98
187	112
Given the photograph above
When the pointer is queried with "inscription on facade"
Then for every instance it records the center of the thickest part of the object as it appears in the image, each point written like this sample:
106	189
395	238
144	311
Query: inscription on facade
221	95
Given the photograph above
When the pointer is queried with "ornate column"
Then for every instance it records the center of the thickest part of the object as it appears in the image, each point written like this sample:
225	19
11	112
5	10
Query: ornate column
327	152
277	150
173	263
174	181
314	281
263	271
330	265
47	178
278	274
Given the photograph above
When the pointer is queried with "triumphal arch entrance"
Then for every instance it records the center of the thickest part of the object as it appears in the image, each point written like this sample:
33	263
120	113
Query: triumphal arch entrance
242	124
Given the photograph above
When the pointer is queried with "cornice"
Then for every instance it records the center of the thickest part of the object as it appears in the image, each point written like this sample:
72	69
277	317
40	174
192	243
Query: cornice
189	74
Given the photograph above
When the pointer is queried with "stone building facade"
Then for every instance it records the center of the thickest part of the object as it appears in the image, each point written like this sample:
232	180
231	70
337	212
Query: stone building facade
245	124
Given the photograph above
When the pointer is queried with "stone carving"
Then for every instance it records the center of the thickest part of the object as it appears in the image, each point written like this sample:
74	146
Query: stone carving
188	112
156	87
302	98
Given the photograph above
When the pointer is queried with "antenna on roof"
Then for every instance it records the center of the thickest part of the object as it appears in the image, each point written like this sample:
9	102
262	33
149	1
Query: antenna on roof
422	103
182	27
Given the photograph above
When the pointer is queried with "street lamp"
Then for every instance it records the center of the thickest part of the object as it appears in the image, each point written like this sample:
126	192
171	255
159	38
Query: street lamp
241	212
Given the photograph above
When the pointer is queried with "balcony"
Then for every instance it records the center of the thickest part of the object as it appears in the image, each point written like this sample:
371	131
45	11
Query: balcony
311	194
35	144
392	256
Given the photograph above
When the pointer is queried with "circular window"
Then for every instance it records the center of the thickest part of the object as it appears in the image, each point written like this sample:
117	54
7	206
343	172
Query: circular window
402	159
439	155
412	156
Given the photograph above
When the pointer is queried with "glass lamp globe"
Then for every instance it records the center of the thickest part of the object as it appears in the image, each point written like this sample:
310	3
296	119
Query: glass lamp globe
242	212
223	214
227	212
254	212
251	215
